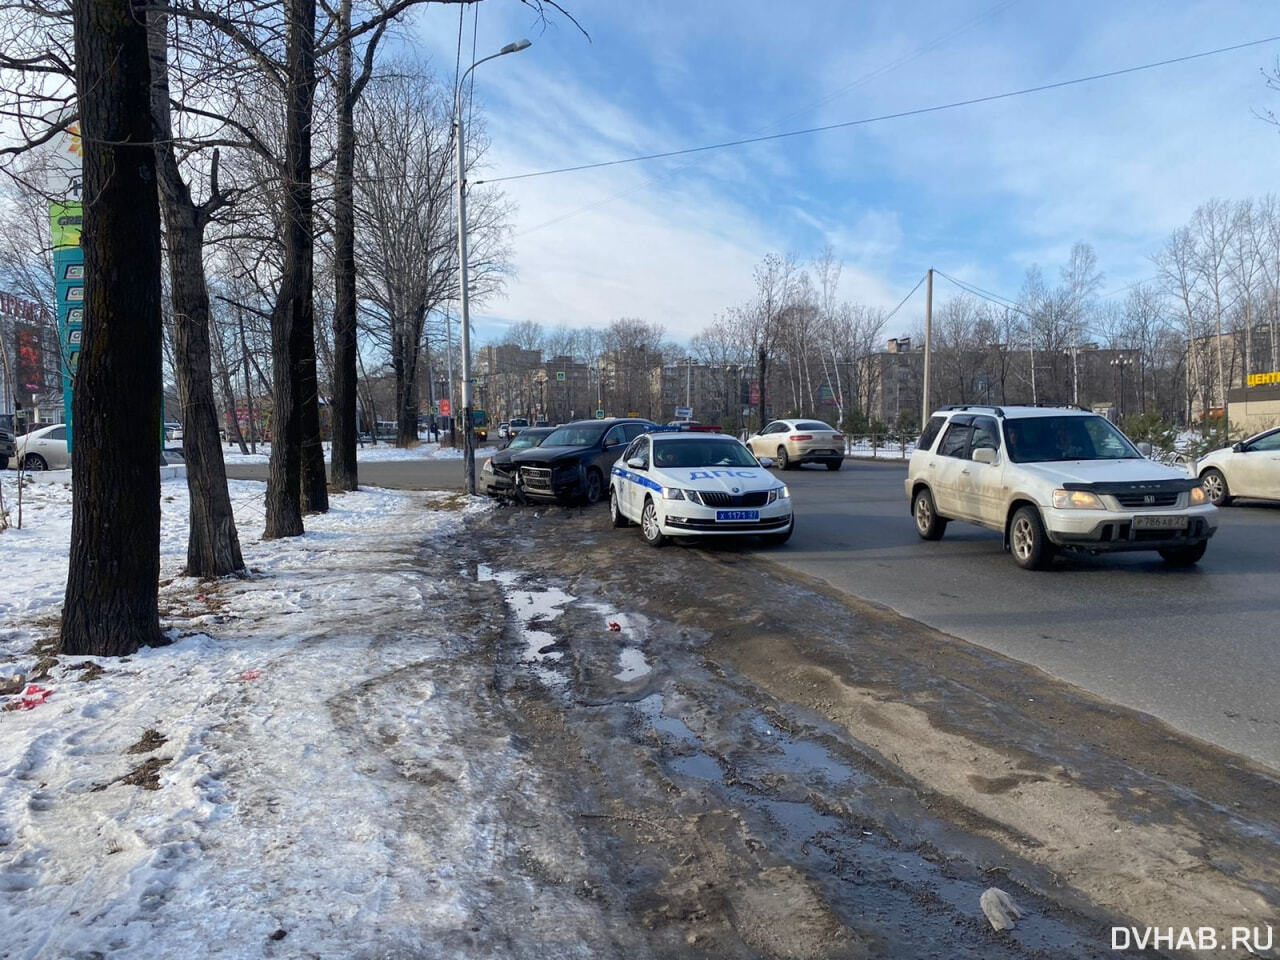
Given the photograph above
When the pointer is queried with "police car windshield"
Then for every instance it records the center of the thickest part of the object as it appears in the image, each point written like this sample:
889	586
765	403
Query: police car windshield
576	435
701	453
1046	439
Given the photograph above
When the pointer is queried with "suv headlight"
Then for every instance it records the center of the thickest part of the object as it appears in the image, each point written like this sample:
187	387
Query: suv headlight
1076	500
1198	496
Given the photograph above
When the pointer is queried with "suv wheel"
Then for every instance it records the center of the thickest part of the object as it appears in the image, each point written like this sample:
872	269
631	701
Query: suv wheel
1215	485
649	525
1027	540
929	525
835	464
615	512
784	462
595	487
1184	556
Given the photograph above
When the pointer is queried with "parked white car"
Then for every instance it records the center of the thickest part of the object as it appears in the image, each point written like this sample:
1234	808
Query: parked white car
793	442
1250	468
682	484
1053	479
44	449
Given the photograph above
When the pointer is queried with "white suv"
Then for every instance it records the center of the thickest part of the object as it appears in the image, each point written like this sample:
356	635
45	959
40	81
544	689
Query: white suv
1053	479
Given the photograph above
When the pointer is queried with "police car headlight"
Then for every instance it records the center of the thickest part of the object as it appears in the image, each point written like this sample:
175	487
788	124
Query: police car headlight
1198	496
488	466
1076	500
779	493
693	497
672	493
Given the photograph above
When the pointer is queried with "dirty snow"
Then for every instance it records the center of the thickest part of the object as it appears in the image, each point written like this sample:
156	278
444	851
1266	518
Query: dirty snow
271	832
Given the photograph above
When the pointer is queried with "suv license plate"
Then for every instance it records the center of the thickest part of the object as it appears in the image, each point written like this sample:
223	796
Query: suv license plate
732	515
1160	523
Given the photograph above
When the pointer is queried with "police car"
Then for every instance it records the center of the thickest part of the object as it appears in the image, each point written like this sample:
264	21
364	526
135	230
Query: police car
681	484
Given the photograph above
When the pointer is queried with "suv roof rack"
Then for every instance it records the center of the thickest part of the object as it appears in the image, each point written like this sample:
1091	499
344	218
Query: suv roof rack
1060	406
974	406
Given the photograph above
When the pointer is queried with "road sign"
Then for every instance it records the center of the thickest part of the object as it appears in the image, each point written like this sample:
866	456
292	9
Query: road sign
684	413
599	413
559	376
445	409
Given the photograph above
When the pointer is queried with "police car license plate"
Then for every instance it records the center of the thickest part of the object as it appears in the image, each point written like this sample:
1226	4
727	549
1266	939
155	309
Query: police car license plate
1159	523
732	515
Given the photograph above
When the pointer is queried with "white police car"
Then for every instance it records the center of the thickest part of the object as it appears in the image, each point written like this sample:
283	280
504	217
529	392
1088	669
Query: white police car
681	484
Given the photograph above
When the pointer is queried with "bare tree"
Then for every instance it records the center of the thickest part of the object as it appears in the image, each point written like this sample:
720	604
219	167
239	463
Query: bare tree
117	405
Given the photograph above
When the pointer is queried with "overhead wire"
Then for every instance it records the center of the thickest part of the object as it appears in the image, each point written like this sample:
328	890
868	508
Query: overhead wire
897	115
889	315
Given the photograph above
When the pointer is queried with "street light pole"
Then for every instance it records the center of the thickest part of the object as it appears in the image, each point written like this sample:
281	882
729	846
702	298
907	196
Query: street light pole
468	436
688	383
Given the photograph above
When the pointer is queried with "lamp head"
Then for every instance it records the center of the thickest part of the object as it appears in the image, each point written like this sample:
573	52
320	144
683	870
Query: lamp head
515	47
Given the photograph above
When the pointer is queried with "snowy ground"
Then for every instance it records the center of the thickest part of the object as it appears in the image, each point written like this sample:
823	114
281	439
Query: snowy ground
209	798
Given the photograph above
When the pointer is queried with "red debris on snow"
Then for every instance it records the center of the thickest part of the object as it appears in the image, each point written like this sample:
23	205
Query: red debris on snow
33	696
615	626
251	675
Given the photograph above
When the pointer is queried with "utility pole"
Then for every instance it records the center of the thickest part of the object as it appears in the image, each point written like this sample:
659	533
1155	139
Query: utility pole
928	346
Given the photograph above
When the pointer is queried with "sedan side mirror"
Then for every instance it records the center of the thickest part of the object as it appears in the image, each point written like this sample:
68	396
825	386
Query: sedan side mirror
637	463
984	455
1238	447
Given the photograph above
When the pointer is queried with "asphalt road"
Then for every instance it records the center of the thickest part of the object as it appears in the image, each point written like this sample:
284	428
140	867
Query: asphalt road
1199	648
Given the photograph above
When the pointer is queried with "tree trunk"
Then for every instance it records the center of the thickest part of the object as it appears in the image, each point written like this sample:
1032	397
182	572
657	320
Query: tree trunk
291	317
111	606
213	546
762	366
343	469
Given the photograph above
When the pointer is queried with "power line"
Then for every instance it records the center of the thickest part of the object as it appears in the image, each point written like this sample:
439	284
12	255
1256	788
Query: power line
905	299
887	116
977	291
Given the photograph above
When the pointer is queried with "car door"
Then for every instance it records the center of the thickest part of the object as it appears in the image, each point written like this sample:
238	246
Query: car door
53	447
982	483
756	443
1255	470
943	470
641	449
611	447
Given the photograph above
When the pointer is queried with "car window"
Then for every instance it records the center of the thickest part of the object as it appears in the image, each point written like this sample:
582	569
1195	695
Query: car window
955	442
986	435
57	433
815	425
583	435
639	450
1270	441
931	431
1045	439
774	427
707	453
615	436
633	430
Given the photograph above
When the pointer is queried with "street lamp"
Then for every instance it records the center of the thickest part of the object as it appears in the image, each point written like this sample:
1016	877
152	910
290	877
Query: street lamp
1120	362
468	442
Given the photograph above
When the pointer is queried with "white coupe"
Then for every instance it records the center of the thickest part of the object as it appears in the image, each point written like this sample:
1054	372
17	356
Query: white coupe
682	484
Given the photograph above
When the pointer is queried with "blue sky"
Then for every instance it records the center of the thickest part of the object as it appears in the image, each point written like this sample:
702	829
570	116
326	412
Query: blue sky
980	192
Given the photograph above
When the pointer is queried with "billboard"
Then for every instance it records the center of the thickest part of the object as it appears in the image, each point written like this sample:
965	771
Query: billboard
29	365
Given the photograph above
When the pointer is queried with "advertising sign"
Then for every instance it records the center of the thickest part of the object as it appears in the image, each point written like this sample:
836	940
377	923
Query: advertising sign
65	220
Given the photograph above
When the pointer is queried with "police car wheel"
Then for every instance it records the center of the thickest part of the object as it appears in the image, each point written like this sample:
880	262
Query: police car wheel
649	525
615	511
